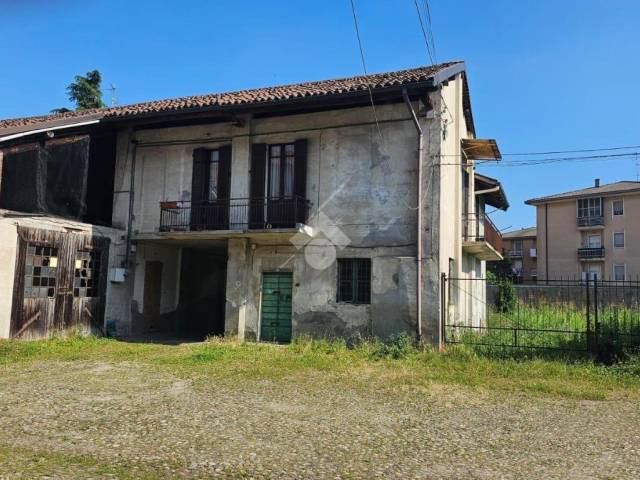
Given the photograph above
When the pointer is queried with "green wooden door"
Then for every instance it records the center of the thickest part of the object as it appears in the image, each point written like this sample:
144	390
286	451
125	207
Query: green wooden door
276	307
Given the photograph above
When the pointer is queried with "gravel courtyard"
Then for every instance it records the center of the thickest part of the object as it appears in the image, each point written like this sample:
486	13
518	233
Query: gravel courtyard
105	418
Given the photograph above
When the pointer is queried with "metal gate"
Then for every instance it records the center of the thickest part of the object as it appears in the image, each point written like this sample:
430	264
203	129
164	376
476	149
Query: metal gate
276	307
601	317
60	283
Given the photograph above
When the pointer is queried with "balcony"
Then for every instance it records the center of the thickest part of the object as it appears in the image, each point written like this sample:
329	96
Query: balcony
480	237
591	253
514	254
235	214
592	221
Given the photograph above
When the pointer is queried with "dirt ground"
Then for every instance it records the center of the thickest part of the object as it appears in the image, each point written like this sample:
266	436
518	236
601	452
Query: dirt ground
107	419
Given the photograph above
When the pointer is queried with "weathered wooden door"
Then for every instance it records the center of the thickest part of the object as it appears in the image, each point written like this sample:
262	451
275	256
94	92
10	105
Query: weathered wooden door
276	307
53	289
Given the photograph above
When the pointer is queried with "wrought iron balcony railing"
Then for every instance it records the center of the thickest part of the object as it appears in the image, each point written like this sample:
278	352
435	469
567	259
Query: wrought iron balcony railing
591	252
592	221
233	214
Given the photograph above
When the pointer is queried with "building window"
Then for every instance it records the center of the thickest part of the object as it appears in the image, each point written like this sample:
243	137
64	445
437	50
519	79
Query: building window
40	271
354	280
212	185
280	170
618	207
619	273
589	207
86	274
517	247
618	239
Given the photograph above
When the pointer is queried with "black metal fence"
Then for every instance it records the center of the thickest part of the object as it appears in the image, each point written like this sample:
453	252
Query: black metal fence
233	214
592	316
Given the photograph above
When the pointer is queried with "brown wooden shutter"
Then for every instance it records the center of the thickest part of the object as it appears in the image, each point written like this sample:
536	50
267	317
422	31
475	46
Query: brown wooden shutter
300	180
224	172
256	186
197	212
199	175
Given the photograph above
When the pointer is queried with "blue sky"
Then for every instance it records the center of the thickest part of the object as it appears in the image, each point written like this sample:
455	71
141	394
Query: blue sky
544	75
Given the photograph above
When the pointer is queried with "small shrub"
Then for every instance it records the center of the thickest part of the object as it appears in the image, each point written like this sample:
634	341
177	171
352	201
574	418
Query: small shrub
506	297
396	347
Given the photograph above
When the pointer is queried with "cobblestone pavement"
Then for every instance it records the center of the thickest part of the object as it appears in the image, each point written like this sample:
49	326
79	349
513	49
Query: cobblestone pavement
119	420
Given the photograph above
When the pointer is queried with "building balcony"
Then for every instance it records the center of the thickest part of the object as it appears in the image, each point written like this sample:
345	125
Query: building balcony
591	253
590	222
480	237
514	254
235	214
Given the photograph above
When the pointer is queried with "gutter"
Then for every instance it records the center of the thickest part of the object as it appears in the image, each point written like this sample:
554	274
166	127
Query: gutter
49	129
416	123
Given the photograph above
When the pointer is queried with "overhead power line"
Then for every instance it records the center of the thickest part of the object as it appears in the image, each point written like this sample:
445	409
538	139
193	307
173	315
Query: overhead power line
364	68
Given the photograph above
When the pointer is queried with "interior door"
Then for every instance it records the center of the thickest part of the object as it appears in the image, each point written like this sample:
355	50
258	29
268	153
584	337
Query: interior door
276	307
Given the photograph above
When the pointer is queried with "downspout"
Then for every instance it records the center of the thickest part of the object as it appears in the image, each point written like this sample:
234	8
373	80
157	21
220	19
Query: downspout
546	242
416	123
132	181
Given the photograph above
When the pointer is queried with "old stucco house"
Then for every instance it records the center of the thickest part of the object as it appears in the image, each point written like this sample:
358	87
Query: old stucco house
323	208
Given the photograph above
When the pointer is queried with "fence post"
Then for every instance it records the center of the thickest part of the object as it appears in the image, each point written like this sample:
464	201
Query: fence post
588	303
596	321
443	308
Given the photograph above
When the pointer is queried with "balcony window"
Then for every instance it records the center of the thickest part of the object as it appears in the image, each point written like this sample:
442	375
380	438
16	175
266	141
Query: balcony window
212	187
589	207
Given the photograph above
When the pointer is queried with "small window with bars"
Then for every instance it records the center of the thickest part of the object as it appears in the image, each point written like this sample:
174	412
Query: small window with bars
40	271
354	280
86	274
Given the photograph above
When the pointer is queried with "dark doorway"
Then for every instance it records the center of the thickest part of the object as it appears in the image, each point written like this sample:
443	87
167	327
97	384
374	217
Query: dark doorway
203	280
152	292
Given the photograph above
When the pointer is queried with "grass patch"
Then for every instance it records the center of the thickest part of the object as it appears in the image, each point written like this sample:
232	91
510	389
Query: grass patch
392	366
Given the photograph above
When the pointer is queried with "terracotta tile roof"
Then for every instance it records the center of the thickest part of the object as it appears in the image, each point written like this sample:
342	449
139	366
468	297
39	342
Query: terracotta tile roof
249	97
625	186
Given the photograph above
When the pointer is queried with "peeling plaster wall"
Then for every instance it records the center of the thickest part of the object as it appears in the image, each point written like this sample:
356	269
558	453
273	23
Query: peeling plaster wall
315	310
361	183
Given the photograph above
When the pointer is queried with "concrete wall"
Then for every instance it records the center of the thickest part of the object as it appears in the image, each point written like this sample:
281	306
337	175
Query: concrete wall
361	182
565	238
117	295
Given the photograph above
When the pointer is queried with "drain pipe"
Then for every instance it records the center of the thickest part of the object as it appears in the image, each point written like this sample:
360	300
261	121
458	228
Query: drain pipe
416	123
132	181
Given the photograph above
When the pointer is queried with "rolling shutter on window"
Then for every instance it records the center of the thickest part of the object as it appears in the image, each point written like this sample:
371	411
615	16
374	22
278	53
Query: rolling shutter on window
256	187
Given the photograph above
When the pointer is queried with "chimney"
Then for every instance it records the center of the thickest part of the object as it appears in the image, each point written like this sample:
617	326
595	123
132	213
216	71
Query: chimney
597	183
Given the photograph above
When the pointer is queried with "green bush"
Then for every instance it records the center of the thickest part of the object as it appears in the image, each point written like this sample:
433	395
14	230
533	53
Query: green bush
396	347
506	297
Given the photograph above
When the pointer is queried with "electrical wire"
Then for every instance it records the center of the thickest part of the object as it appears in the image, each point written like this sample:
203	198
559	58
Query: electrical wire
364	68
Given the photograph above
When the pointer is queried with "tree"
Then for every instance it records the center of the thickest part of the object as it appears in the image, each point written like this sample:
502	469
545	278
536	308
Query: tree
85	92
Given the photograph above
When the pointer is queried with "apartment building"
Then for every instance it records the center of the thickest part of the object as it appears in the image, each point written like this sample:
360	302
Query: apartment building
520	247
594	231
263	214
